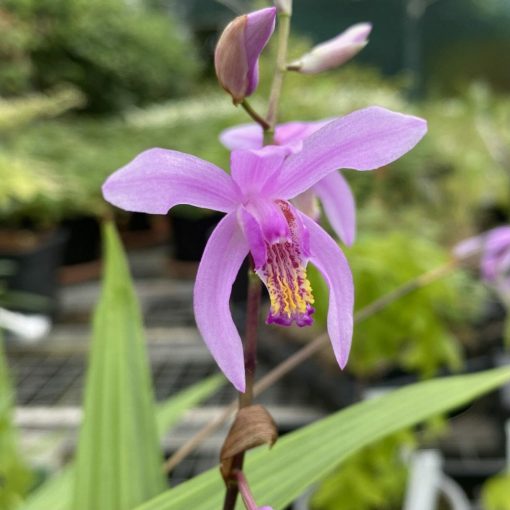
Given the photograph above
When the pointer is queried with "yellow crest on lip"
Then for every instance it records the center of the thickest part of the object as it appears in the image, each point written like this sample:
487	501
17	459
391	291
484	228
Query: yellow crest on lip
284	275
290	292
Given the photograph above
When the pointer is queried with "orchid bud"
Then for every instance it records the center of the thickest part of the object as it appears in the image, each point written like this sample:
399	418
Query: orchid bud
237	53
335	52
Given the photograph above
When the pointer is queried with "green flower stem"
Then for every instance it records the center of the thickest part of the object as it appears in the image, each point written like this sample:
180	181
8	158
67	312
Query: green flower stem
254	115
281	68
308	351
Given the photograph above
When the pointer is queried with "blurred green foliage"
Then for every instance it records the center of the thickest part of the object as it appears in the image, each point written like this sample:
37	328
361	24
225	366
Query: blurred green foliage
456	171
32	189
83	152
415	333
373	479
16	113
15	43
496	493
117	53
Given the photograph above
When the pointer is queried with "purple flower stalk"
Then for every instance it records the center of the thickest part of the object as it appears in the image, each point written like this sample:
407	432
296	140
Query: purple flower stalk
260	220
333	190
244	489
236	58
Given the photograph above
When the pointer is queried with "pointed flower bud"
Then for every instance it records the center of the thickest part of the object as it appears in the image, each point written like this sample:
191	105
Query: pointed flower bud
236	58
335	52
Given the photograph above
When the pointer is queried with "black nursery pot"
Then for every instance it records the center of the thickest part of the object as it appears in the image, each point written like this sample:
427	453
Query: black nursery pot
83	240
190	235
35	272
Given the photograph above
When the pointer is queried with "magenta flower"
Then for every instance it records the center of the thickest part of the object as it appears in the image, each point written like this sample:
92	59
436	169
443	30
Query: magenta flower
260	220
335	52
236	58
333	190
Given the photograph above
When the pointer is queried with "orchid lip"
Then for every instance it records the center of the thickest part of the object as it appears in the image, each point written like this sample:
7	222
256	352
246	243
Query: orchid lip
284	274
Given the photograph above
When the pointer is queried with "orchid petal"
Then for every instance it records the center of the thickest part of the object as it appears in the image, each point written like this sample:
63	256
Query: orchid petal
339	206
331	262
270	218
158	179
253	170
504	264
250	136
253	234
363	140
292	132
244	136
259	28
222	258
497	243
468	247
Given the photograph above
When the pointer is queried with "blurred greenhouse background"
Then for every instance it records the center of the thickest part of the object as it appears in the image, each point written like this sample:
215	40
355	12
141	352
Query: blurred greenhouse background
85	85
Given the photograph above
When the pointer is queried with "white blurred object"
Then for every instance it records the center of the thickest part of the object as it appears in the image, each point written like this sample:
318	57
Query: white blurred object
27	328
427	482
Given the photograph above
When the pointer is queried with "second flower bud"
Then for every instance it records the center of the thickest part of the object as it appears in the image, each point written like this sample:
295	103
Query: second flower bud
236	58
335	52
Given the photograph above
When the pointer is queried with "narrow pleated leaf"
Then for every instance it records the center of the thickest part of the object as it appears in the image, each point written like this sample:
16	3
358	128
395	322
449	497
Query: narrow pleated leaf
119	460
56	492
14	474
302	458
171	411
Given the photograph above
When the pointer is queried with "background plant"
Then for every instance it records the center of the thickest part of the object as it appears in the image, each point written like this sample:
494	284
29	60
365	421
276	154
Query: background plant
116	53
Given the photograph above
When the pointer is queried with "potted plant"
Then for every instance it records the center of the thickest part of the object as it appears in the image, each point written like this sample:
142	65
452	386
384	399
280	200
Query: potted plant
31	200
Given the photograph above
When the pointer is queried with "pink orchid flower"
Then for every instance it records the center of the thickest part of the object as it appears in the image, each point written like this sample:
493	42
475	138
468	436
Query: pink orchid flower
494	246
236	58
260	220
333	191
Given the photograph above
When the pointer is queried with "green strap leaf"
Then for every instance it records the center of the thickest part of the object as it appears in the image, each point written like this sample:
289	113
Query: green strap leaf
14	475
170	412
304	457
119	460
56	492
118	364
